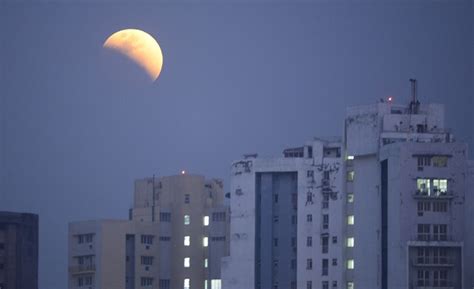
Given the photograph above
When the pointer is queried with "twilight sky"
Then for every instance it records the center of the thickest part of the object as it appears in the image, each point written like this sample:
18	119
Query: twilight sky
80	123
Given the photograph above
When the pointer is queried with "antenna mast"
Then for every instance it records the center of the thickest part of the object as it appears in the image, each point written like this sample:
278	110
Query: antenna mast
414	104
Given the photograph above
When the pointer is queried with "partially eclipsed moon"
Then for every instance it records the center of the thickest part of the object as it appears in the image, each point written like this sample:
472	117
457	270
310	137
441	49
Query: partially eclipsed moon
140	47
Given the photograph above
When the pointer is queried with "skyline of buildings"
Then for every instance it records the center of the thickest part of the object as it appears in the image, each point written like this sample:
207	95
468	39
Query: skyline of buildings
385	206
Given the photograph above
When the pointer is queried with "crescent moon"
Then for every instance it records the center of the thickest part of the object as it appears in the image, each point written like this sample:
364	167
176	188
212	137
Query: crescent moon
140	47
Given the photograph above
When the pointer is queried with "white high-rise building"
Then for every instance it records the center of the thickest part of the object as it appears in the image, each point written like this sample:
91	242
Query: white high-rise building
287	221
409	182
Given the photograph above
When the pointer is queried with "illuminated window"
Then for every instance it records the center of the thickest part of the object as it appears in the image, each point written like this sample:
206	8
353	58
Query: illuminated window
350	176
205	221
205	241
440	186
350	242
205	263
350	220
350	285
187	219
350	158
350	264
187	262
205	284
423	186
187	283
187	241
350	198
216	284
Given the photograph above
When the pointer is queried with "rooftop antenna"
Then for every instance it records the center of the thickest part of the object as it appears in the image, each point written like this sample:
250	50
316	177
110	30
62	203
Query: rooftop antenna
414	104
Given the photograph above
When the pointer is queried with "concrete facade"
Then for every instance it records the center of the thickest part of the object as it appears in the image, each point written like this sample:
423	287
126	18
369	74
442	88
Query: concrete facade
176	236
176	199
411	176
112	253
18	250
282	210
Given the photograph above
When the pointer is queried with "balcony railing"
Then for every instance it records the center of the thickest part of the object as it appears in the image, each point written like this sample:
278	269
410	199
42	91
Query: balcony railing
434	238
82	269
434	287
432	195
434	284
432	261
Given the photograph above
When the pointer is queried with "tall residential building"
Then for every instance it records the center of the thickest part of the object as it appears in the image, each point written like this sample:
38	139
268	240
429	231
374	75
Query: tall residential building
287	221
409	182
18	250
175	238
193	222
388	208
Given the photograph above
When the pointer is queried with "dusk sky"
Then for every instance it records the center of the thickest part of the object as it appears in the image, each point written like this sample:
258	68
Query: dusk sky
79	123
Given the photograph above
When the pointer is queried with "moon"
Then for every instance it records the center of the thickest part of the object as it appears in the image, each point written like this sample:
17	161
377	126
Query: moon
140	47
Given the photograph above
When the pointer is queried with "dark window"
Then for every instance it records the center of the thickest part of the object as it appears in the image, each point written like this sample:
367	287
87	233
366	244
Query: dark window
218	217
164	284
147	260
187	198
326	175
309	242
325	267
309	218
309	264
146	281
218	239
325	221
325	244
165	217
147	239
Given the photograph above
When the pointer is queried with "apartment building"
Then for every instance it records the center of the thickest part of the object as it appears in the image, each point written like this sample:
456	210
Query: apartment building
287	219
18	250
409	184
175	237
193	220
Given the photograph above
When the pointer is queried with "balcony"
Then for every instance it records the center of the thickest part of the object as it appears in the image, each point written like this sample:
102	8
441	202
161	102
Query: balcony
434	238
432	195
432	261
82	269
434	284
434	287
